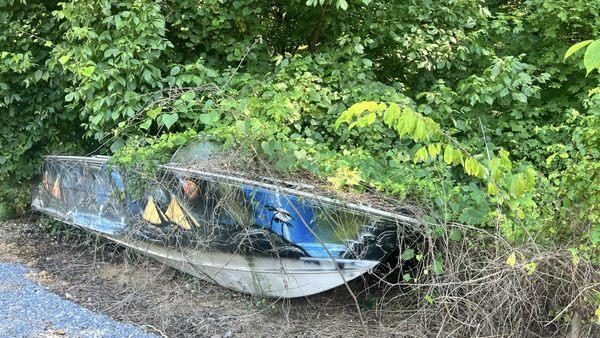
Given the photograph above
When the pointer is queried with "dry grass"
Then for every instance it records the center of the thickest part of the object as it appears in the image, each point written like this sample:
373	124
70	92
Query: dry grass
128	287
478	294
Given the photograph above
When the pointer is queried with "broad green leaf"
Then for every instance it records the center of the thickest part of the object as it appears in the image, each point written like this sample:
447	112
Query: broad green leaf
116	145
520	97
434	149
154	112
550	159
591	58
518	185
530	175
370	119
437	266
210	118
455	235
492	189
38	74
179	140
312	2
471	216
175	70
267	147
168	120
357	108
573	49
471	166
146	124
96	119
406	122
188	96
457	157
408	254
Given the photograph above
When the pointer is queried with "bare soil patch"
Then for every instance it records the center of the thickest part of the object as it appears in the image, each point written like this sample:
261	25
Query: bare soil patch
126	286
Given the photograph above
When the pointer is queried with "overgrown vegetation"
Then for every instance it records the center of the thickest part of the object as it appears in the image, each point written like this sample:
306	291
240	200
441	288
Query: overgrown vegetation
480	110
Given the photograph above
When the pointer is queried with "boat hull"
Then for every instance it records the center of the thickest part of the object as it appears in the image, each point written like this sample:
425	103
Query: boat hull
248	237
258	275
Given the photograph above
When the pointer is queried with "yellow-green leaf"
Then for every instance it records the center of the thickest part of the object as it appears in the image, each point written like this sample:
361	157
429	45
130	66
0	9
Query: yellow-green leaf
433	150
518	185
369	119
573	49
391	114
512	260
64	59
88	71
153	113
448	154
492	189
420	155
358	108
457	157
530	178
406	122
146	124
420	131
530	267
591	58
471	166
550	159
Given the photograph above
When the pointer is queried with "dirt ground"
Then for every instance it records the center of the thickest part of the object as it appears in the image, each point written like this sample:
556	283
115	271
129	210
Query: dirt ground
108	279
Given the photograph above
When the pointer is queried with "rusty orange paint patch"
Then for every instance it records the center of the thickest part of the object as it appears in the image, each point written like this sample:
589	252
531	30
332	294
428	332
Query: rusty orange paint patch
190	189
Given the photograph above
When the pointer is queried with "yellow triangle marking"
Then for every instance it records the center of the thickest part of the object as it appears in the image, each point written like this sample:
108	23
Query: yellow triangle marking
151	213
190	217
176	215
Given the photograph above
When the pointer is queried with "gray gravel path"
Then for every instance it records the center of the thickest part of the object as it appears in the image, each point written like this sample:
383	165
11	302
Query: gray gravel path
29	310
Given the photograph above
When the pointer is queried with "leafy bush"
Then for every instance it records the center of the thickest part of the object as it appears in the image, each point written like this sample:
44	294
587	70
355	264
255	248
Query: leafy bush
468	106
462	81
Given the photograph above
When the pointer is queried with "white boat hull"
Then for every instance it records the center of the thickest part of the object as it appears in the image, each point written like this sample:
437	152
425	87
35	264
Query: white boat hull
257	275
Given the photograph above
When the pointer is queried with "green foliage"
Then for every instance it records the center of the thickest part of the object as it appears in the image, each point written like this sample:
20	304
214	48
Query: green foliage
145	154
468	106
33	121
591	58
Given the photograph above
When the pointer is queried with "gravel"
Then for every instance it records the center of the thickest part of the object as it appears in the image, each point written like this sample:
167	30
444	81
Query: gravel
27	309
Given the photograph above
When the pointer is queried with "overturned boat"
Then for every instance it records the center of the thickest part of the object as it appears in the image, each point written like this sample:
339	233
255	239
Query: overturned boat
266	238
